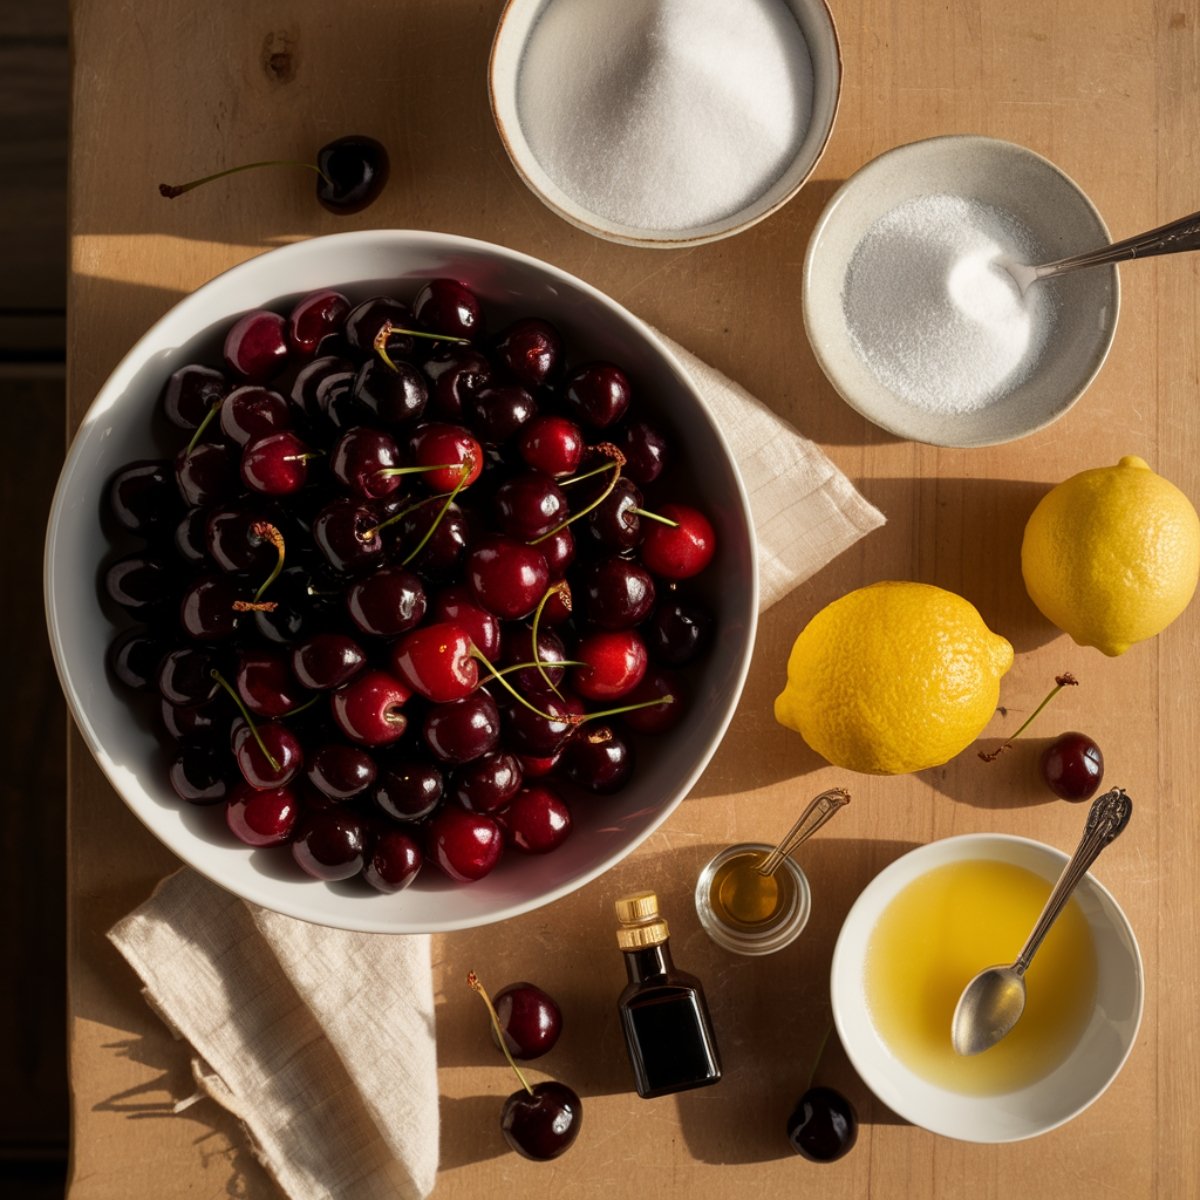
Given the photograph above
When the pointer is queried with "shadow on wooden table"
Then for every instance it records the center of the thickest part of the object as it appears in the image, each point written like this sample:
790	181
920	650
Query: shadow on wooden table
770	1013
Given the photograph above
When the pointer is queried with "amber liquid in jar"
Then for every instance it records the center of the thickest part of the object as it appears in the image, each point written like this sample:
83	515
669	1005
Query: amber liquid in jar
740	895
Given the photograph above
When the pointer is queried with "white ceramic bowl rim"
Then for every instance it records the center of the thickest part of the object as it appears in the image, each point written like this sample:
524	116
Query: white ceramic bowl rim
503	69
173	329
1032	1110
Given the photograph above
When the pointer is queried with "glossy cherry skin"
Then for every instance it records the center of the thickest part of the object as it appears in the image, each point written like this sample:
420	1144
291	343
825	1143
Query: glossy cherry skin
530	1020
330	844
206	608
185	676
213	721
314	318
657	685
455	375
368	708
539	734
531	351
276	464
529	505
261	818
538	820
199	773
543	1125
449	307
614	663
551	444
265	683
598	759
237	538
344	532
251	412
823	1126
677	631
257	770
134	656
207	473
507	577
395	396
190	393
139	583
645	449
619	593
394	861
360	461
454	604
306	393
408	789
463	729
354	170
451	452
443	535
340	771
597	394
435	660
256	346
367	319
387	602
327	660
465	845
614	523
144	498
682	550
499	412
1073	766
488	783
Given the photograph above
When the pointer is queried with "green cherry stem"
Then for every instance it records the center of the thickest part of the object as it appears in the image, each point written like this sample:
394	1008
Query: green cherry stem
379	345
171	190
374	531
208	416
215	674
498	676
641	512
539	663
586	475
463	476
1066	679
473	982
562	589
388	472
618	461
268	533
616	712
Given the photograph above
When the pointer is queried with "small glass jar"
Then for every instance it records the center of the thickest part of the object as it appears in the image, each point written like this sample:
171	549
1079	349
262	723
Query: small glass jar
747	912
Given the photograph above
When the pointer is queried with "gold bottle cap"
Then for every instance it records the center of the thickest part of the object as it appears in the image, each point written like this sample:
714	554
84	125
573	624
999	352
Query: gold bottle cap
641	924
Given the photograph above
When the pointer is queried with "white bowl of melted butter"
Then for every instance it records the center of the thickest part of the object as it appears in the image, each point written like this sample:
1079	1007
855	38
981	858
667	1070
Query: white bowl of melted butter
916	936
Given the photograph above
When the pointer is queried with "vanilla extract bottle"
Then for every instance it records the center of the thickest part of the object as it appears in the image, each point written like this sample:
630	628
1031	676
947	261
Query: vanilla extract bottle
664	1016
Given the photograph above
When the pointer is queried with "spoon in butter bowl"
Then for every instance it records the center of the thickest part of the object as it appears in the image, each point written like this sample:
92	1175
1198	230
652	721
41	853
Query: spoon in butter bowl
992	1003
1172	238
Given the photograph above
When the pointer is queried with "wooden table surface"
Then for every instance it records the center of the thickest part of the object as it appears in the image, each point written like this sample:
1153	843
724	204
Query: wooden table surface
1108	90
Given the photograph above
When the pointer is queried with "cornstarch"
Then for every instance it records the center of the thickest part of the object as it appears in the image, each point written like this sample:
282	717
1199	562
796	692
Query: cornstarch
932	311
665	114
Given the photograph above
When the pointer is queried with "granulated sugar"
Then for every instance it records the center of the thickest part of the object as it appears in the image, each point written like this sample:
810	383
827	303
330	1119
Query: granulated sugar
665	114
932	311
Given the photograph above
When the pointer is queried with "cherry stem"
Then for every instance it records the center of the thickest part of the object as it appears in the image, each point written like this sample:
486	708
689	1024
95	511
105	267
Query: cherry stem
215	674
291	712
473	982
616	712
387	329
208	416
641	512
618	461
820	1051
464	475
1066	679
269	533
585	475
388	472
498	676
171	190
373	532
562	589
540	662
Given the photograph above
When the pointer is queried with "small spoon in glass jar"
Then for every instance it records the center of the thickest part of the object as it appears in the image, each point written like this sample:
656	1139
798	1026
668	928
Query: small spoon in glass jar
992	1003
1172	238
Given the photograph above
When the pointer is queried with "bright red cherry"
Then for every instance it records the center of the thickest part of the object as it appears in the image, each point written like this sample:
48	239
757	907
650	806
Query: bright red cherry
537	820
261	818
454	604
551	444
465	845
682	550
368	708
275	465
447	448
506	576
436	661
614	663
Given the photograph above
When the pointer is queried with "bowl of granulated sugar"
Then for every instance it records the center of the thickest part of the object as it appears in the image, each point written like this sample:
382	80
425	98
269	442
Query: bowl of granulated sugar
912	314
665	123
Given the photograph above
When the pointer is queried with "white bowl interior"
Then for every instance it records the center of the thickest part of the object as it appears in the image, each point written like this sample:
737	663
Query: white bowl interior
512	34
1048	1102
117	429
1061	220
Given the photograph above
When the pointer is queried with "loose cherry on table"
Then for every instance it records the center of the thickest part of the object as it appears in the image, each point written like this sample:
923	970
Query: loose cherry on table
539	1122
351	172
823	1126
529	1020
1072	766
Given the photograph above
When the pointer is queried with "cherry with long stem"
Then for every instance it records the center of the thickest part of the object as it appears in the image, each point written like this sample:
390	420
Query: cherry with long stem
171	190
268	533
1066	679
379	344
271	759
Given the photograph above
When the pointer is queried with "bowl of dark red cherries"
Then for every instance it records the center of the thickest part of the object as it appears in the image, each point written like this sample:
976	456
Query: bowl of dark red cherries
400	582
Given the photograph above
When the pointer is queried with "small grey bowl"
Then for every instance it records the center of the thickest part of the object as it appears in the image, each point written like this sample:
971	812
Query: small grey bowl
1039	196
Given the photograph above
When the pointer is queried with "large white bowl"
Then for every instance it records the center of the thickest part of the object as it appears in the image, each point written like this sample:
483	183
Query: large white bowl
117	429
1042	1105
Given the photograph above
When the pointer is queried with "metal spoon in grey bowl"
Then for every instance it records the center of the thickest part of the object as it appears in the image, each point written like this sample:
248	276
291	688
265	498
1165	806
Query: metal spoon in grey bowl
1173	238
992	1003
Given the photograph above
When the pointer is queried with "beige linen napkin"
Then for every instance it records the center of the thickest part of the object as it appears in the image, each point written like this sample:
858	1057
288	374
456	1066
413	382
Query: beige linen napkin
322	1041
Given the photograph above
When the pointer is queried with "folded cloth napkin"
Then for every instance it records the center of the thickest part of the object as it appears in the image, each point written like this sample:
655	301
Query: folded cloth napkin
322	1041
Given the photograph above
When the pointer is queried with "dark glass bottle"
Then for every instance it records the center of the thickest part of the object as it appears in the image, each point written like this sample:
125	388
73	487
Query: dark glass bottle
663	1014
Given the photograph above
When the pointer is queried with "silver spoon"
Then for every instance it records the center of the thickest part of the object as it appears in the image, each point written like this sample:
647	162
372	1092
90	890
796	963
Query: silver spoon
811	819
1177	236
993	1001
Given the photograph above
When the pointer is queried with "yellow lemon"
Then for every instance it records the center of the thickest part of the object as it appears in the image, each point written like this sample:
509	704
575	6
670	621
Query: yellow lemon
1111	556
892	678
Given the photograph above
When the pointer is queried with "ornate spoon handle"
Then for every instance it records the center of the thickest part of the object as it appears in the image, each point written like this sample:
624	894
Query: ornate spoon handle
811	819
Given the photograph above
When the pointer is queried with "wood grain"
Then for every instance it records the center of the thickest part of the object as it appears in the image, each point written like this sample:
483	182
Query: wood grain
1106	89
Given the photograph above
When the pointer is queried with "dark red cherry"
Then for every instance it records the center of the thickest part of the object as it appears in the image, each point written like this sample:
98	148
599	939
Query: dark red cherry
388	602
614	663
367	319
207	473
275	465
656	685
190	393
200	772
256	346
465	845
462	730
393	862
236	537
344	532
488	783
551	444
449	307
361	459
368	709
537	820
306	392
682	550
190	537
645	449
330	844
314	318
1073	766
185	676
435	660
529	1019
597	394
598	759
559	549
134	657
619	593
541	734
140	583
408	789
395	396
677	631
614	523
530	504
206	608
354	170
252	412
542	1125
144	497
261	818
340	771
455	375
257	769
531	350
506	576
499	412
265	682
823	1126
327	660
454	604
434	542
213	720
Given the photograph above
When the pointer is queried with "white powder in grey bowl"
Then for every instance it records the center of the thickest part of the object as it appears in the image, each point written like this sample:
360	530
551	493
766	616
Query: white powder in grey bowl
665	114
933	313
